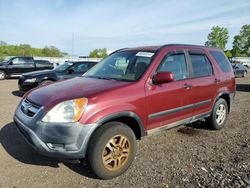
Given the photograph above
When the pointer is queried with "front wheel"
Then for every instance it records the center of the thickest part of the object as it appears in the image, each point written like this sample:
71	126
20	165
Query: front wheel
111	150
219	114
2	75
46	82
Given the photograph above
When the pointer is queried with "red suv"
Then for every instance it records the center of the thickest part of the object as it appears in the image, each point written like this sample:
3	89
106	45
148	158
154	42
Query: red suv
132	93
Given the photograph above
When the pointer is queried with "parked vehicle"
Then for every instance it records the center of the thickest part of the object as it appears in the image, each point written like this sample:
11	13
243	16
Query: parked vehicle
64	71
15	66
247	66
240	70
132	93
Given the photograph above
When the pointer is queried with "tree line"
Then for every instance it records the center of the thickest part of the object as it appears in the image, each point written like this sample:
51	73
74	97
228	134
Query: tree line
27	50
218	37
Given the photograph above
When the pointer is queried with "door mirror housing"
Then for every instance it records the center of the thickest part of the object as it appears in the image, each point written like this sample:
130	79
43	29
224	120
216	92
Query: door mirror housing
163	77
71	71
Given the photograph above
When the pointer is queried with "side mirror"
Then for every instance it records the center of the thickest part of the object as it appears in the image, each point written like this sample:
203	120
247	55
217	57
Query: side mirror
10	62
163	77
70	71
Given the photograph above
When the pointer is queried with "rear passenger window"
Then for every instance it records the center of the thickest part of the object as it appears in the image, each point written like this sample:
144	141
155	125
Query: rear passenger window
221	60
176	64
201	65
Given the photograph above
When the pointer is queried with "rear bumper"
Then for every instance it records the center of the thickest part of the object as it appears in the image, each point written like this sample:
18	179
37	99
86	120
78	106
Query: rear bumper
65	141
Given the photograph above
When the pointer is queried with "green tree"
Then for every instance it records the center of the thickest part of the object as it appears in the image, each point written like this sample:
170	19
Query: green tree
241	43
98	53
218	37
51	51
27	50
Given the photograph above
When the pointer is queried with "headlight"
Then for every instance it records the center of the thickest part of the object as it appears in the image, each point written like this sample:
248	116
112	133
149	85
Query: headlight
30	80
67	111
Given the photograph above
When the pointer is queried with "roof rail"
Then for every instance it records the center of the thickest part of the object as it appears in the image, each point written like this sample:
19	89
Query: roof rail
117	50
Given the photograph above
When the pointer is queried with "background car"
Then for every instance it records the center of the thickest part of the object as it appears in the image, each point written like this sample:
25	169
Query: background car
239	70
64	71
15	66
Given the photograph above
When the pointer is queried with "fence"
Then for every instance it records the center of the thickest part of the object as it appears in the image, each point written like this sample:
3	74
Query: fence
244	60
63	59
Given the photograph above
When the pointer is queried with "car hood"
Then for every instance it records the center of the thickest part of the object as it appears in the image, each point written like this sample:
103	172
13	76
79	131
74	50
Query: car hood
50	95
3	64
38	73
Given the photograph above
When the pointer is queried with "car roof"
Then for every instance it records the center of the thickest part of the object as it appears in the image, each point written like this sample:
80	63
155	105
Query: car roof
155	48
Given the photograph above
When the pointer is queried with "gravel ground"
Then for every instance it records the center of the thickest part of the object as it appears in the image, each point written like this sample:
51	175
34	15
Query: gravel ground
188	156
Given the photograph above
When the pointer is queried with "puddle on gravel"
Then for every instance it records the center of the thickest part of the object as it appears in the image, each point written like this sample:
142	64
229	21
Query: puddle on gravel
189	131
196	128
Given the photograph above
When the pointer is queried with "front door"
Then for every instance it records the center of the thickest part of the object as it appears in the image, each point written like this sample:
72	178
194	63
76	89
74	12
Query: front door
20	65
168	102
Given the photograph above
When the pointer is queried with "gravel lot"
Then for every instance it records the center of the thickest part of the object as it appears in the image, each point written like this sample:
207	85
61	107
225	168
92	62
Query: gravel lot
188	156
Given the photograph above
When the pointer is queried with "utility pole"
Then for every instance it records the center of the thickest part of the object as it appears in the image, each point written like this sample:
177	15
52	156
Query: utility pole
72	52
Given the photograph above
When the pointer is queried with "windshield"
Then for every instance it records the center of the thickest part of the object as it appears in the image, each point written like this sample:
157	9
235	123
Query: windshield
124	66
6	59
63	66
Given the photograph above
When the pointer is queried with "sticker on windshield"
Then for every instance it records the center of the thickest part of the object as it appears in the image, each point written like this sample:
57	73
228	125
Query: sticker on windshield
145	54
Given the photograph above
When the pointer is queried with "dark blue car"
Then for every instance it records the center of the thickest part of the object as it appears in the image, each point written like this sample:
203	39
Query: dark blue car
239	70
64	71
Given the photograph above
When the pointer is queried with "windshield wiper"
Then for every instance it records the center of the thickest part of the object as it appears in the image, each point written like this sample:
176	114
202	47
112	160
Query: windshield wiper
108	78
98	77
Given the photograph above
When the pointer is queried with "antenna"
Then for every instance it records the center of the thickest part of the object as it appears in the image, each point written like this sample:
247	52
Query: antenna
72	52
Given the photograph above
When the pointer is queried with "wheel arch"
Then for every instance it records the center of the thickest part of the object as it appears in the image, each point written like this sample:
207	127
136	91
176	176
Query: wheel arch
46	78
4	71
131	119
227	96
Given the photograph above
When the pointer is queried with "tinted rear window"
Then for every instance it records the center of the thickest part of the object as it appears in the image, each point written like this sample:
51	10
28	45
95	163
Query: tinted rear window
221	60
201	65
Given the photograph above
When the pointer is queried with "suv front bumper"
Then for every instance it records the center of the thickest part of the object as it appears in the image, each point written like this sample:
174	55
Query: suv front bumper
60	140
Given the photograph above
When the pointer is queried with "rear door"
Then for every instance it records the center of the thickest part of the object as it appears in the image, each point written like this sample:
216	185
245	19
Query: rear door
203	82
168	102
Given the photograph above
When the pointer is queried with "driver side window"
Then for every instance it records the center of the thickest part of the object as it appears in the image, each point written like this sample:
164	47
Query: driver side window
80	68
16	61
175	63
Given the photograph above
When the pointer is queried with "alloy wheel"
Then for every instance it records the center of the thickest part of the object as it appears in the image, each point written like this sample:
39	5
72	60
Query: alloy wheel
221	114
2	75
116	152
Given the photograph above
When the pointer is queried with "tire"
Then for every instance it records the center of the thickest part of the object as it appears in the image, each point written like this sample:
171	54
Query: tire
2	75
111	150
46	82
219	115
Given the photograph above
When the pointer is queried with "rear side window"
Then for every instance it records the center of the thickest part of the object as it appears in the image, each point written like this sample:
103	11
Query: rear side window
201	65
176	64
221	60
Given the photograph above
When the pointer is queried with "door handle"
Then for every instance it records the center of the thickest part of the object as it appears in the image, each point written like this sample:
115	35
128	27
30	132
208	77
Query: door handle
187	86
216	81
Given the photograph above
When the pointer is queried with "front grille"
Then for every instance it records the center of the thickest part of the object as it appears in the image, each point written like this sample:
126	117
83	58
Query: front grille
29	108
